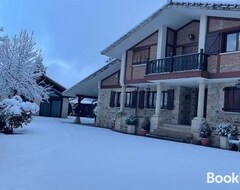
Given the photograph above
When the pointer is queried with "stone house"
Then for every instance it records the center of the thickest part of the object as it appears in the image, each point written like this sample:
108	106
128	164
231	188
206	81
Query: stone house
179	67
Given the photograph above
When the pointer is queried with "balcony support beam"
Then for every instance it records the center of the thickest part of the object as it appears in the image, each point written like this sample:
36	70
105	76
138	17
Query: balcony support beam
202	33
162	39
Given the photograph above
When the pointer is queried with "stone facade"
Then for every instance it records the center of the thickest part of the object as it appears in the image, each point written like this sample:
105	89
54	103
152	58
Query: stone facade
215	114
185	98
184	109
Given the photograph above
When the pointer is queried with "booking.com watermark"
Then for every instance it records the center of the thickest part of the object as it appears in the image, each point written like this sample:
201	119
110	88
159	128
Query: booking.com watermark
231	178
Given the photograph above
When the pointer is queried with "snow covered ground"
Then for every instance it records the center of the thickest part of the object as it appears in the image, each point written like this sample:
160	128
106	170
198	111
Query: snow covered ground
54	154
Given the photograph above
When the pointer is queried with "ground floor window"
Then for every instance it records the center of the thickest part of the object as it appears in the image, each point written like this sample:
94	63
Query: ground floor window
164	99
129	99
151	99
231	99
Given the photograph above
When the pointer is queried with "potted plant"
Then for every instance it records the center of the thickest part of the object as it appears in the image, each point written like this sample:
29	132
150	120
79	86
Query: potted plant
204	133
223	130
131	122
145	127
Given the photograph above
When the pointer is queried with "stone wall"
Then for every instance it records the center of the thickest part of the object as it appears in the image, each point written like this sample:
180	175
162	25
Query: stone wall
106	114
215	114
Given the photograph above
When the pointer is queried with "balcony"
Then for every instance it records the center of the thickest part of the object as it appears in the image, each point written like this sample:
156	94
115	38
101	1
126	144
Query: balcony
181	63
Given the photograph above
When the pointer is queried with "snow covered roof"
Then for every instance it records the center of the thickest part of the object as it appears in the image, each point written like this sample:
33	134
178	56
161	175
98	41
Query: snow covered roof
209	5
89	86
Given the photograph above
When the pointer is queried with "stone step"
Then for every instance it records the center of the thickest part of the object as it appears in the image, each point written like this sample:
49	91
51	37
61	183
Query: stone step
179	134
175	126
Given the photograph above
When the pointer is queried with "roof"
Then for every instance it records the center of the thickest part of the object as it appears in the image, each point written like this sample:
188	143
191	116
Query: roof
210	6
88	87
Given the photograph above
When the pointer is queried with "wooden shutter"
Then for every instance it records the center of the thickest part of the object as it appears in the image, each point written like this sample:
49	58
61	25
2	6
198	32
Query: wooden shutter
112	99
118	99
141	99
170	99
213	43
134	99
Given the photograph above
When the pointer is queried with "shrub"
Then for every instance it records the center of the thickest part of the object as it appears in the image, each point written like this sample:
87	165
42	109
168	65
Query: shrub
224	128
14	112
146	124
204	130
132	120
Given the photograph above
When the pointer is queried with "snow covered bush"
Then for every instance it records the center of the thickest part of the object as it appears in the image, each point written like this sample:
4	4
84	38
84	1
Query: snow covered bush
224	129
14	112
205	130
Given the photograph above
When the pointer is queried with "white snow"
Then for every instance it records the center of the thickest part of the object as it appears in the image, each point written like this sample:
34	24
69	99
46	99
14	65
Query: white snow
54	154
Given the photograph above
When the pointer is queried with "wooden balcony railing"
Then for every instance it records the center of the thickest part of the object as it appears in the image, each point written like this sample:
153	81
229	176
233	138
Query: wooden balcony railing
181	63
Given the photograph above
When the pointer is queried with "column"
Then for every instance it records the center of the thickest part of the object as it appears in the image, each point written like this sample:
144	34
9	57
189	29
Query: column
201	95
77	119
122	71
123	97
158	99
156	119
65	104
162	39
202	32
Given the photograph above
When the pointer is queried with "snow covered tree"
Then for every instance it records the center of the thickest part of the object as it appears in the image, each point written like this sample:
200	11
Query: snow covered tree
21	67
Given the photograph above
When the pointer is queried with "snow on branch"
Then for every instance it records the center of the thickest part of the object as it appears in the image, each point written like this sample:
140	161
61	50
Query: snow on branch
21	67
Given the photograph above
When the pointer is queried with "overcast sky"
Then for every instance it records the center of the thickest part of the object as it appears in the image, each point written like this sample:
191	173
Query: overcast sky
71	33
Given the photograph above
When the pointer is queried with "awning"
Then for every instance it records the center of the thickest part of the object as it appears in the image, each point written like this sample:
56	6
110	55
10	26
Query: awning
88	87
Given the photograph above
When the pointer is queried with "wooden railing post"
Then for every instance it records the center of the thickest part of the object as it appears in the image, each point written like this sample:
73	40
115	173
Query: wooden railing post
171	62
201	60
147	67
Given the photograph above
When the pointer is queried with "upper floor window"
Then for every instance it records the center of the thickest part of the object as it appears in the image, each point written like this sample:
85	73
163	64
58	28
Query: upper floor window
231	99
141	55
233	42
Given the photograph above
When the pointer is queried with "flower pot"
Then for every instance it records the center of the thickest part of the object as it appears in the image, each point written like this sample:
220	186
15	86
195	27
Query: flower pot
223	142
205	141
131	129
142	132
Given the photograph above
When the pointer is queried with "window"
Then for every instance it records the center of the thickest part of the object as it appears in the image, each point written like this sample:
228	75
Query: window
164	99
167	101
131	99
141	55
118	98
128	101
151	99
231	99
232	42
112	99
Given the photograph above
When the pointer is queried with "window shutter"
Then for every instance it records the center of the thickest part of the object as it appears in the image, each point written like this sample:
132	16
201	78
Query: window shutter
212	43
170	99
141	99
112	99
134	99
118	99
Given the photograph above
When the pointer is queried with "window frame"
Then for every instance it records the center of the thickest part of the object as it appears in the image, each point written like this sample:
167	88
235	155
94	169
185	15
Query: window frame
164	99
151	100
139	50
237	48
231	99
128	104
